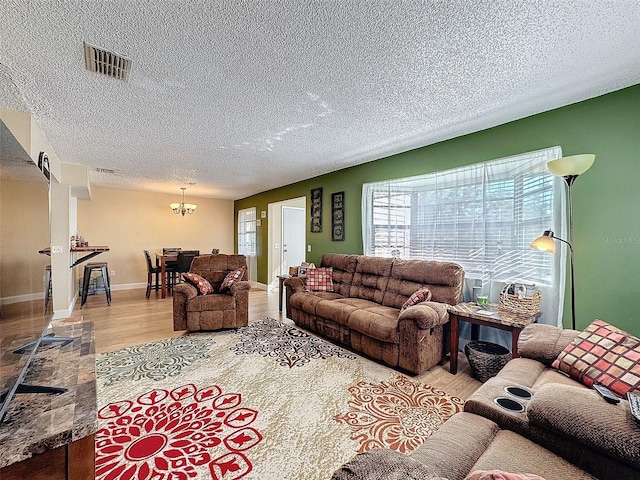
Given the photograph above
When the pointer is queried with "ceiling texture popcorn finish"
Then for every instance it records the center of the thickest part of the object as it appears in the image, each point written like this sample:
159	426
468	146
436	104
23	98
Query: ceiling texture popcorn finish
243	96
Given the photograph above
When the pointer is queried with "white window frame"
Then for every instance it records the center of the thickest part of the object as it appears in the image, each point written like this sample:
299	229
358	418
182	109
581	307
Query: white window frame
482	216
247	231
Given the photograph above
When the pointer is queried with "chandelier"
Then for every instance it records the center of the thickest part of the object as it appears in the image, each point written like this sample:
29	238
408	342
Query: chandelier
183	208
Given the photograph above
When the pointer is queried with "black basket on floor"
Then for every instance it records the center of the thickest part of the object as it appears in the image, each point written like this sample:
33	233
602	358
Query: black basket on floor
486	359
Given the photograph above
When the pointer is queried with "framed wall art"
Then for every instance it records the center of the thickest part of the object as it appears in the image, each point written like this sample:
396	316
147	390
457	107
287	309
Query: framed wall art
316	210
337	216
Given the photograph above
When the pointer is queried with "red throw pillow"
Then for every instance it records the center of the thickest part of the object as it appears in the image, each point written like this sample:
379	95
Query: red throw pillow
320	279
421	295
231	278
603	354
201	283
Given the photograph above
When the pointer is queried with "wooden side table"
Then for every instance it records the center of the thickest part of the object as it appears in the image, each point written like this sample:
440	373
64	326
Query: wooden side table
502	320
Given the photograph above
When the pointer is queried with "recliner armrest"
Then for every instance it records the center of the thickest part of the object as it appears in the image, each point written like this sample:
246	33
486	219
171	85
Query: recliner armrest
296	284
581	415
181	294
238	287
426	314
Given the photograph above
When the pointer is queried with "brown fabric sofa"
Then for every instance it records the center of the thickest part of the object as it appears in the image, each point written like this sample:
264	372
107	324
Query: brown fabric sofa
566	430
363	311
463	444
216	310
562	415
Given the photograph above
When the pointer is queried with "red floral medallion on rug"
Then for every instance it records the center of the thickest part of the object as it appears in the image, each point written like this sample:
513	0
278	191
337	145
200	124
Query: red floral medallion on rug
169	434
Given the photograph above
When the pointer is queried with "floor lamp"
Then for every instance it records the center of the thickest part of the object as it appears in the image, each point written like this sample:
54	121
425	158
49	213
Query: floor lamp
568	168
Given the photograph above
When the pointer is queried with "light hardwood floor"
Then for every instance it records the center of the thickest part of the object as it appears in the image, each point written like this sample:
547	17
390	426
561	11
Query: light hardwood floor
133	319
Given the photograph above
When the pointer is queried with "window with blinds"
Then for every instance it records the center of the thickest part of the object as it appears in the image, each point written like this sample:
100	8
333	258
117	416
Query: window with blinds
483	216
247	231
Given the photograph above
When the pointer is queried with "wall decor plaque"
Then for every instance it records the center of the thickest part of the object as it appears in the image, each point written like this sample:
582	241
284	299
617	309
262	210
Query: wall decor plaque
316	210
337	216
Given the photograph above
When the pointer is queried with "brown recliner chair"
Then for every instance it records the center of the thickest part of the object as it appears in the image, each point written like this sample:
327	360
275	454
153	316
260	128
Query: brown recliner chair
217	310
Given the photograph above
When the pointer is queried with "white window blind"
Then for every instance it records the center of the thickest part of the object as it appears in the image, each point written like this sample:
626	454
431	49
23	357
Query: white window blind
483	216
247	231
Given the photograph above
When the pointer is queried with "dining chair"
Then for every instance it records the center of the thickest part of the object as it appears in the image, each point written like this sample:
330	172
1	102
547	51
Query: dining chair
151	271
185	257
171	266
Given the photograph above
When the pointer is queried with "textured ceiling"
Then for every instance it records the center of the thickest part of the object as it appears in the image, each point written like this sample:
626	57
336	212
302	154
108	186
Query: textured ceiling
243	96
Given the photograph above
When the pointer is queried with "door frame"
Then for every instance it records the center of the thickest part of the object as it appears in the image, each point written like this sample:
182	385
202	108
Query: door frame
274	254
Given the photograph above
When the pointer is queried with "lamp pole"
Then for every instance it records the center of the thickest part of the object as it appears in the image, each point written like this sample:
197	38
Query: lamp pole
569	179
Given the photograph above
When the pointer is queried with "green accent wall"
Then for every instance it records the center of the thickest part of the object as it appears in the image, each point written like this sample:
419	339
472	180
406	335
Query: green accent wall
606	198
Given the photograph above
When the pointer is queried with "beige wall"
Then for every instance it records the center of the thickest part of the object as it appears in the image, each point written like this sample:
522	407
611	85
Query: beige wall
129	222
24	229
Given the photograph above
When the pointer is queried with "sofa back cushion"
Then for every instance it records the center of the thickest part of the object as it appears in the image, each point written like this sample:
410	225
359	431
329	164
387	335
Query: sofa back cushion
443	279
371	278
344	267
216	267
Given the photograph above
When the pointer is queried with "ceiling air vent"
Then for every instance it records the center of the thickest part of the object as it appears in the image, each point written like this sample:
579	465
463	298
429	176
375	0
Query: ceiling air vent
107	63
105	170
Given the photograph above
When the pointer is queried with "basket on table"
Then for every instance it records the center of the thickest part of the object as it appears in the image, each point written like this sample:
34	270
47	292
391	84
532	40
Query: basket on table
486	359
520	305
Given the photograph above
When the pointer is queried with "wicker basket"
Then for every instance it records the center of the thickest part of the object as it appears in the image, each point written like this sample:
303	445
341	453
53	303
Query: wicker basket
486	359
521	306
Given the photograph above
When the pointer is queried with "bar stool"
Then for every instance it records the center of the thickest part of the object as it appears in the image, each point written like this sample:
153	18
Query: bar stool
103	268
47	286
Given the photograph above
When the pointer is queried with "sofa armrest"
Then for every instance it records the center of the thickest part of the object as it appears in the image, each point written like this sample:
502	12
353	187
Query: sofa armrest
238	287
294	284
426	315
383	464
181	294
581	415
420	335
544	342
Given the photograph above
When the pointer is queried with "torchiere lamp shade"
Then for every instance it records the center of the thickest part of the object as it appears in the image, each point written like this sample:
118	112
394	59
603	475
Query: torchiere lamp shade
572	165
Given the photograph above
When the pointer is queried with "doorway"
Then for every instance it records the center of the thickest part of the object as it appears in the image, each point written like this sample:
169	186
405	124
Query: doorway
287	237
293	223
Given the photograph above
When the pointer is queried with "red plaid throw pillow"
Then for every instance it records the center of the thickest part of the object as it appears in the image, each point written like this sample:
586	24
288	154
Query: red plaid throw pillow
320	279
201	283
421	295
603	354
231	278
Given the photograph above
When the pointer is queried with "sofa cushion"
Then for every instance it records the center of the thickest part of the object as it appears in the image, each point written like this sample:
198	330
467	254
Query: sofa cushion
319	279
603	354
216	267
544	342
202	284
377	322
444	279
581	415
308	302
514	453
214	301
339	310
344	267
421	295
371	278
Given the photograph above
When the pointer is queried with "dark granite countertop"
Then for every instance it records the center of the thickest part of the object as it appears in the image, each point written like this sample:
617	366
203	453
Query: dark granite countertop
36	423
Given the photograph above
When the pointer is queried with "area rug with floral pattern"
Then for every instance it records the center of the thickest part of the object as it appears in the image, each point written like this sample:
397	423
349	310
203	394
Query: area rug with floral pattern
268	401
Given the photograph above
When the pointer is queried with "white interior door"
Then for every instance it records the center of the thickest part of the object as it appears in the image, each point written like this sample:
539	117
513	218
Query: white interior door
293	237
